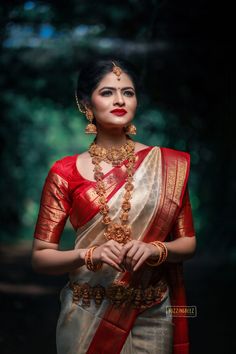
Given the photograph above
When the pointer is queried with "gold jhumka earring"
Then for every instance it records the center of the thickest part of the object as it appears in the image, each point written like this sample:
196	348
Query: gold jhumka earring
90	128
131	128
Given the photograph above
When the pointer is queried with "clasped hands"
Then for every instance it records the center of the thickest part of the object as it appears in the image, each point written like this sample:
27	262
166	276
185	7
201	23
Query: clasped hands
128	257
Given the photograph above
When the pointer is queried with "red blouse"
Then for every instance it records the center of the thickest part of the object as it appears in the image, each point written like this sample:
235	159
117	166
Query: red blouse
64	195
68	194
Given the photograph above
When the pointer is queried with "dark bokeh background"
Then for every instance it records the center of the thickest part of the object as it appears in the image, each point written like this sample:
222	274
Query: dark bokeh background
182	53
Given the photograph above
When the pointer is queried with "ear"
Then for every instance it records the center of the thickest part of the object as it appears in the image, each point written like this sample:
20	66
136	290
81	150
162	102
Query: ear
86	104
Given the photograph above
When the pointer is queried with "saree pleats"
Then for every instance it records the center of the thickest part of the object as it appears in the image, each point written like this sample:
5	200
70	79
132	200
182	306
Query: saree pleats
152	332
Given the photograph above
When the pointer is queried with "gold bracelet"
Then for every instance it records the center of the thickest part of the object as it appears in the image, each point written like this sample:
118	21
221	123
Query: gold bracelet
154	263
163	254
88	259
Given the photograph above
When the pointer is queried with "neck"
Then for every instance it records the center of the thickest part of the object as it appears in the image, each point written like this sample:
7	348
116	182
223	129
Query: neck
111	138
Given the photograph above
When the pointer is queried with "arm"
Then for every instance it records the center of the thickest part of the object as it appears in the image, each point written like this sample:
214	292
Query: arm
181	249
183	245
46	258
54	210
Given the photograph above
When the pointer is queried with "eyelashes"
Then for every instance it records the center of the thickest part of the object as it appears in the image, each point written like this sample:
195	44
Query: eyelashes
126	93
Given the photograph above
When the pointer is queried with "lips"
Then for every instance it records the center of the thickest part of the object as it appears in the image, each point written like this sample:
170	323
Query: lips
119	112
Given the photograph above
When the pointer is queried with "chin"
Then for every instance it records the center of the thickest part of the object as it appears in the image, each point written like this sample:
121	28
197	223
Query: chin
115	124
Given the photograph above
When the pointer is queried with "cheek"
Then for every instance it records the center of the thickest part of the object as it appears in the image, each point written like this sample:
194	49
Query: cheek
133	105
100	104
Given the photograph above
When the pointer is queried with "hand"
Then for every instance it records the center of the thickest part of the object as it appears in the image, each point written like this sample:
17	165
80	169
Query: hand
135	253
109	253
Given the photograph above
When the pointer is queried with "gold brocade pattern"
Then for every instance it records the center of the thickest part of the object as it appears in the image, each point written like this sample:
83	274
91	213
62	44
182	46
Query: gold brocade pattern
183	225
173	178
53	209
119	294
110	183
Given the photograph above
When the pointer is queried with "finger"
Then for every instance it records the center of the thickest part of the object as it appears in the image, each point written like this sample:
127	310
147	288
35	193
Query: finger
111	248
141	260
113	264
111	254
113	244
124	250
116	250
136	257
133	251
131	262
118	245
136	249
126	266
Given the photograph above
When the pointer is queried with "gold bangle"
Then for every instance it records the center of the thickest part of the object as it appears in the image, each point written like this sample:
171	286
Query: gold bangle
88	259
163	254
154	263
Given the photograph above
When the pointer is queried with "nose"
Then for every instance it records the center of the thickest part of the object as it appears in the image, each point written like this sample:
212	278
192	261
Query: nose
119	99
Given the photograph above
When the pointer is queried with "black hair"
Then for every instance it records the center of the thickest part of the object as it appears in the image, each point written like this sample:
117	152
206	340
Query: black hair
92	72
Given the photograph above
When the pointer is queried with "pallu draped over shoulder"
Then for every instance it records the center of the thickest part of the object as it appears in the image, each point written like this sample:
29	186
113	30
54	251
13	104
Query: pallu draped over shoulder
102	311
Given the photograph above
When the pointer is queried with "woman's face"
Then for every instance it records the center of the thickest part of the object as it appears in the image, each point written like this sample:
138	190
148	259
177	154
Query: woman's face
110	95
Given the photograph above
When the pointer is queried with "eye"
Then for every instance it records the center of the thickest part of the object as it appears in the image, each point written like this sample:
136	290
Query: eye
129	93
106	93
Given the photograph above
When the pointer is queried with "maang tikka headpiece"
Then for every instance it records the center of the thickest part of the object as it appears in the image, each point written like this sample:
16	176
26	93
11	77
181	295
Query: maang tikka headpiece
116	70
130	129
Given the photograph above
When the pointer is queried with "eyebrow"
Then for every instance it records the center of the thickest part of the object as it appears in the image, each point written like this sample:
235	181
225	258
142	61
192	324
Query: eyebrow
113	88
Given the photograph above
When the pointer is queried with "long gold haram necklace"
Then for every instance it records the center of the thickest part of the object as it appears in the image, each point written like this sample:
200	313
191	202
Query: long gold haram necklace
120	232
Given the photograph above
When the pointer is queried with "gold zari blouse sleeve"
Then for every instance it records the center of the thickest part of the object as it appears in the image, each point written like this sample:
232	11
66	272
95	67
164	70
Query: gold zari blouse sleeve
54	209
183	226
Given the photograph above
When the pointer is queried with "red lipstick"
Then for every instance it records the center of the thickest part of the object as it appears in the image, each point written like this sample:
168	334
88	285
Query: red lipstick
119	112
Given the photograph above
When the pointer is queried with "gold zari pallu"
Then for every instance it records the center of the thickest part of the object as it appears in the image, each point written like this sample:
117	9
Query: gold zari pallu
119	294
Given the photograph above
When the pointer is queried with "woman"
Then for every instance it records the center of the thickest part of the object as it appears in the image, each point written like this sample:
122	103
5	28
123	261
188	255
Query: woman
129	204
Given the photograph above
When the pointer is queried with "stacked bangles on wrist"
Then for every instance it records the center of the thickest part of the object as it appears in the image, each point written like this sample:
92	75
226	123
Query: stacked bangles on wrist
162	256
88	259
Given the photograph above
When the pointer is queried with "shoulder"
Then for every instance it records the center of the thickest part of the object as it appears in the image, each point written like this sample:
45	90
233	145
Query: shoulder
139	146
173	154
64	166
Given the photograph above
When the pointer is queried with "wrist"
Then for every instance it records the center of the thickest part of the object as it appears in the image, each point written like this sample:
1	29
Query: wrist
163	253
96	256
81	254
90	261
155	252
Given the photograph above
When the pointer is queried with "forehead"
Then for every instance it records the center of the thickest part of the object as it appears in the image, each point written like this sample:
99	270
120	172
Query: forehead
110	79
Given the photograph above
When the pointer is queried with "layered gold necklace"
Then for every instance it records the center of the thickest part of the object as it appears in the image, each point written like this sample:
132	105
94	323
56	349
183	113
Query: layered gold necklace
118	231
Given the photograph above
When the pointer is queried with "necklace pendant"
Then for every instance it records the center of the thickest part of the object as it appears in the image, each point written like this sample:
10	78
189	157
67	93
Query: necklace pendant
118	232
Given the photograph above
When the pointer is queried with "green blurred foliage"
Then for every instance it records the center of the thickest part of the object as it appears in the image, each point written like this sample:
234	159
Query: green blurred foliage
186	95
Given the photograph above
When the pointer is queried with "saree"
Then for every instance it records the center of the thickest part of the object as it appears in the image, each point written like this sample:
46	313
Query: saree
160	210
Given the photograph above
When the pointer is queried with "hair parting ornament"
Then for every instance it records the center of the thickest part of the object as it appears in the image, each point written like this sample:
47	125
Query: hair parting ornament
130	129
116	70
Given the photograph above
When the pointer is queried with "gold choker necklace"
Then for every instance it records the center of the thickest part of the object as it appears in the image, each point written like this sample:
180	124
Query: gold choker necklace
119	231
112	155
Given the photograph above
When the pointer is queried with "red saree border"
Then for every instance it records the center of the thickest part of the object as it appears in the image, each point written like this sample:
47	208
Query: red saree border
175	173
117	323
